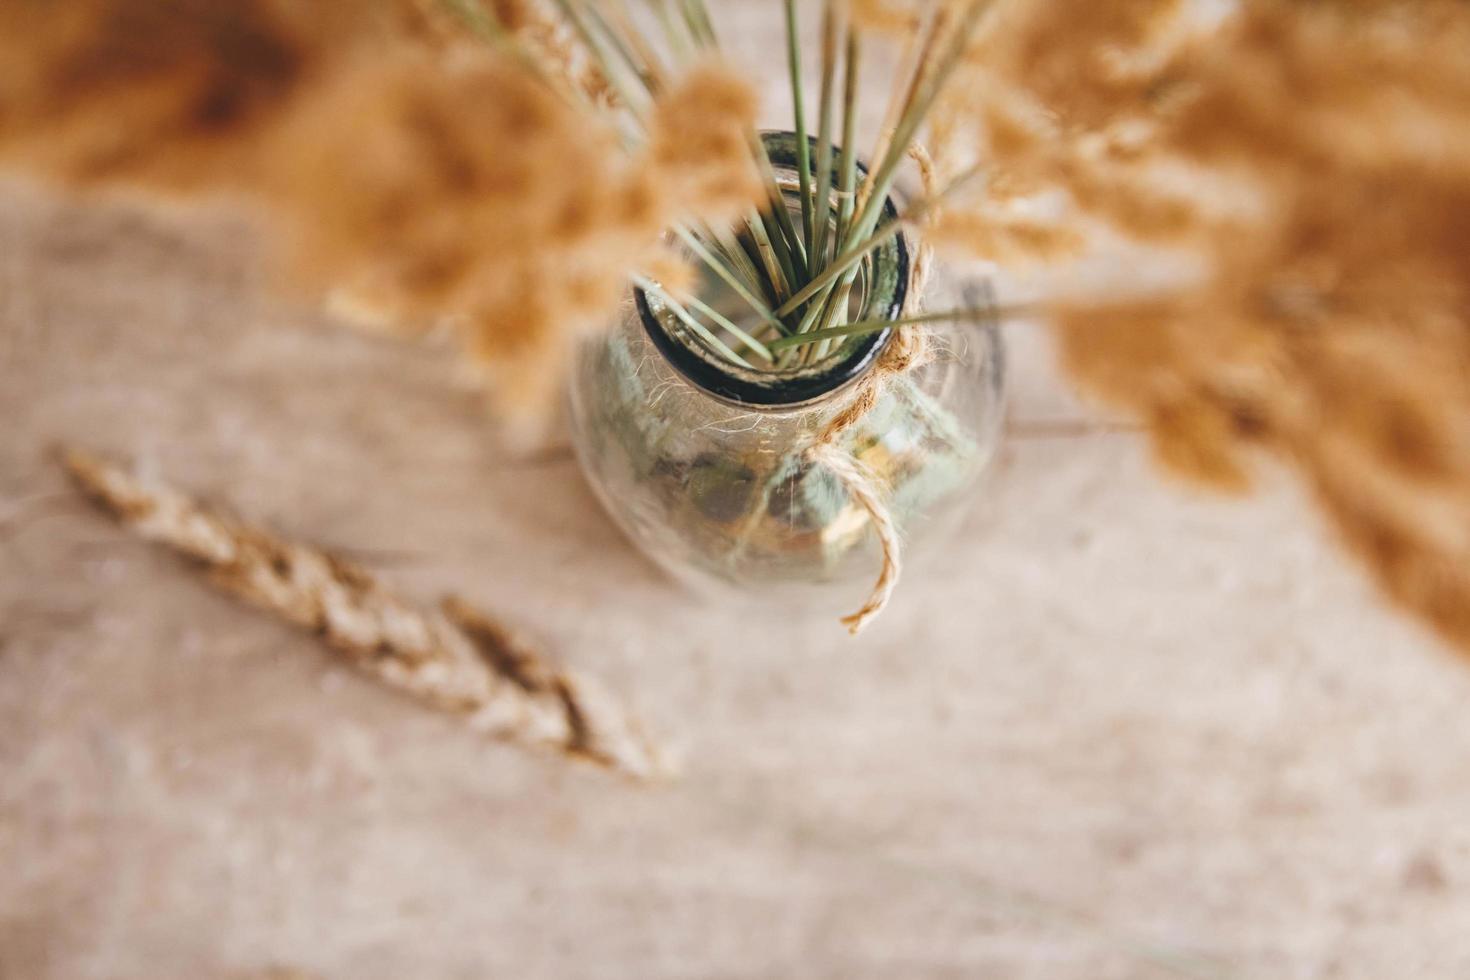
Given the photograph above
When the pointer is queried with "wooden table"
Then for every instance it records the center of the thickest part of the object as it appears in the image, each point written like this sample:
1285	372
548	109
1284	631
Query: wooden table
1112	731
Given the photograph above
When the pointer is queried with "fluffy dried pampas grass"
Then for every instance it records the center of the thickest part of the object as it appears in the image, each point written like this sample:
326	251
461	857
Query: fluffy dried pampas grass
1313	160
423	176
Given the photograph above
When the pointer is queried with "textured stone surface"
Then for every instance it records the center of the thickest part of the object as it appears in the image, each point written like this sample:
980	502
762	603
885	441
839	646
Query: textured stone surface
1113	731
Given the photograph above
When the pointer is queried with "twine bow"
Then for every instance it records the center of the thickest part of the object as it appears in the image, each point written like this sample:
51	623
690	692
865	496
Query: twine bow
908	349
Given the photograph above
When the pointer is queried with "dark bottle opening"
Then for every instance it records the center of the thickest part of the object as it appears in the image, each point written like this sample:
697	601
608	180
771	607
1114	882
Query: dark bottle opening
887	271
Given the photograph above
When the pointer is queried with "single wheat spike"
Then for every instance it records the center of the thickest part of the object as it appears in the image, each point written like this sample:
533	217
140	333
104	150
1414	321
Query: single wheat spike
455	658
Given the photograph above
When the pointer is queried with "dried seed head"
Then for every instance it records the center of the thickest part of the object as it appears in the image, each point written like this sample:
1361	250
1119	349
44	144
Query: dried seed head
1315	159
424	178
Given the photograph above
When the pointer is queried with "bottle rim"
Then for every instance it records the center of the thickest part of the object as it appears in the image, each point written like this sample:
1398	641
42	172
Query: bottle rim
889	274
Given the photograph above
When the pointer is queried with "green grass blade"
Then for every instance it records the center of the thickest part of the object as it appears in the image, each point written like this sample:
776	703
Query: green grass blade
822	205
698	304
847	179
882	179
777	218
718	268
863	235
848	260
803	145
706	25
680	41
696	24
778	279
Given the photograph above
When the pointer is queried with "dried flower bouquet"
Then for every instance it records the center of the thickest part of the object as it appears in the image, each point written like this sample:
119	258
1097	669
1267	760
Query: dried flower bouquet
510	166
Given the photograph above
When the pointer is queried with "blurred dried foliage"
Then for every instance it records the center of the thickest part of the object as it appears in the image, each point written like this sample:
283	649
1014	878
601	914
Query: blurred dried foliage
1315	159
424	175
456	659
1312	158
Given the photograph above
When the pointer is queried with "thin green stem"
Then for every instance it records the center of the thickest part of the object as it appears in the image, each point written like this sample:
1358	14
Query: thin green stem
693	301
750	247
822	204
793	271
772	238
847	179
718	268
803	145
679	40
847	260
779	279
702	19
882	179
864	235
850	258
727	244
693	25
803	291
777	218
835	315
689	320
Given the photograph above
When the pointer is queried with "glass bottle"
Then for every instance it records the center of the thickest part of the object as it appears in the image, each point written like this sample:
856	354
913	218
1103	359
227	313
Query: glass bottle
705	463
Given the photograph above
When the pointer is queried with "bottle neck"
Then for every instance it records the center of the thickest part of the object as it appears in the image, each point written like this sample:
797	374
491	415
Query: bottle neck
882	286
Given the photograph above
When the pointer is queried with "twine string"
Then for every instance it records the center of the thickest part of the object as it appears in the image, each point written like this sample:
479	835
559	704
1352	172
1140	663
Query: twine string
906	350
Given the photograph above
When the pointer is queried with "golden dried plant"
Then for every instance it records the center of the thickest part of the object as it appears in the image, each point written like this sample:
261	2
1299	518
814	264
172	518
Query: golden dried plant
427	177
1315	160
455	659
1311	159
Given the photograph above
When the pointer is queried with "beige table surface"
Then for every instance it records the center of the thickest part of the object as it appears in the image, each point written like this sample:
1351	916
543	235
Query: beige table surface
1112	730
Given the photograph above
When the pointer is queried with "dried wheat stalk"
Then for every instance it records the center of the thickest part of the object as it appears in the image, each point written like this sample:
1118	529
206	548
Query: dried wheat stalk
455	659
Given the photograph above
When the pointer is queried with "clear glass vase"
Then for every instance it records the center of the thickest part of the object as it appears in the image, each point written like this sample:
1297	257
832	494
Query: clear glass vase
705	464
